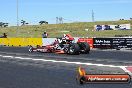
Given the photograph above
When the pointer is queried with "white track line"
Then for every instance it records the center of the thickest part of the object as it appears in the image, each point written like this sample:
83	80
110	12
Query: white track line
8	56
67	62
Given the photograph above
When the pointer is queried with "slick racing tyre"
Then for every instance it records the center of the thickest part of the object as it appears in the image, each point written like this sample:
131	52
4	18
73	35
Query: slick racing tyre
84	47
73	49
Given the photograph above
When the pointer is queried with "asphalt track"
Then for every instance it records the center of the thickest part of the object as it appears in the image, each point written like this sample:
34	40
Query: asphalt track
17	73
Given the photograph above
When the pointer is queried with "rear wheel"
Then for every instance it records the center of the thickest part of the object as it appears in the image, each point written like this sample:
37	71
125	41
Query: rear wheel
84	47
73	49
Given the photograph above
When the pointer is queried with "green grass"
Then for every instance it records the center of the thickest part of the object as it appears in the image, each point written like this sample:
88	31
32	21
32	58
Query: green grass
75	29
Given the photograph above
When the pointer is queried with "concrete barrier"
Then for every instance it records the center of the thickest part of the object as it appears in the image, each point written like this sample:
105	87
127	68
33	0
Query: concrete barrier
21	41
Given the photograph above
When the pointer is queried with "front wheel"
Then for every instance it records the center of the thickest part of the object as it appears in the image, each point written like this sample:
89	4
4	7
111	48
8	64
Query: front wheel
30	49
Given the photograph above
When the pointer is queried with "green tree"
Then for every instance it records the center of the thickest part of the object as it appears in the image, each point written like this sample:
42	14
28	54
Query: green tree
43	22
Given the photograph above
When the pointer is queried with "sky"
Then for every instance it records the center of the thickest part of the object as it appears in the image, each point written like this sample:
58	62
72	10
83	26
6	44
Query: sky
34	11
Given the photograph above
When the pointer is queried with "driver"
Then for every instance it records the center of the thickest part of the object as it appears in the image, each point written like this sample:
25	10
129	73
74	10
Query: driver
68	38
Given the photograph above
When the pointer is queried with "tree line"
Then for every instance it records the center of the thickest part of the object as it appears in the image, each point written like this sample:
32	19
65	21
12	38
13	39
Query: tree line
2	24
23	23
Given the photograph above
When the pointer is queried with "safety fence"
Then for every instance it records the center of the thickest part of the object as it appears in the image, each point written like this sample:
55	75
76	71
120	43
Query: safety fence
112	43
21	42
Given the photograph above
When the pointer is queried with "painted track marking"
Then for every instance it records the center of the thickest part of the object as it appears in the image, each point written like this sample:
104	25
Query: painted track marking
67	62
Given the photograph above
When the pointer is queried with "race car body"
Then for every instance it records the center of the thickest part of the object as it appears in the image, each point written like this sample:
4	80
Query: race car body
63	45
41	49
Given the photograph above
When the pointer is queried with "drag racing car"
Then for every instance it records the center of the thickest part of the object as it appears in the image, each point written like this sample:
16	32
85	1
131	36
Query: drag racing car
63	45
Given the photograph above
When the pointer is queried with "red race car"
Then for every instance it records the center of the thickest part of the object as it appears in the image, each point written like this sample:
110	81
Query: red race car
64	45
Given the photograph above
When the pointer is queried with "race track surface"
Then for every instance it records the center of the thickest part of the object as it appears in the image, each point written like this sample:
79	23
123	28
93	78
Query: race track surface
115	57
20	73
